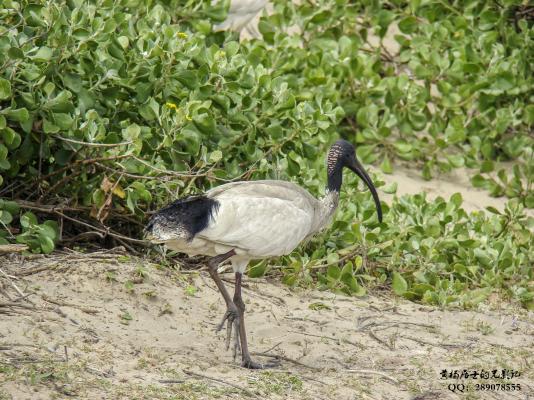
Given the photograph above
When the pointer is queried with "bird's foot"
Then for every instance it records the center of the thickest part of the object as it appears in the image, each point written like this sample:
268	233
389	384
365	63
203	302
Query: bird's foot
232	319
248	363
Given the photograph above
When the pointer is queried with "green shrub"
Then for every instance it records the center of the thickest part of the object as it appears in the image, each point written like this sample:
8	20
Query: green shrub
110	109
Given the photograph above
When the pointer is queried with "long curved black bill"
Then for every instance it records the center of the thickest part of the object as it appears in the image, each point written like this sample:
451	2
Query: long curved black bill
357	168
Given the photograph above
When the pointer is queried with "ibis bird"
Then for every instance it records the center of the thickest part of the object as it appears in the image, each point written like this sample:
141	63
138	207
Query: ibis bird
240	16
243	221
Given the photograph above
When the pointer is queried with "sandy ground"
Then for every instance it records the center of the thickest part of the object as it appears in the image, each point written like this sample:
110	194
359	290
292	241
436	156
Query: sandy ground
109	326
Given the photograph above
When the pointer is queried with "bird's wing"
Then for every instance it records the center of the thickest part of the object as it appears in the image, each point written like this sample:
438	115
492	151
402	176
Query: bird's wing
261	218
246	6
264	188
241	12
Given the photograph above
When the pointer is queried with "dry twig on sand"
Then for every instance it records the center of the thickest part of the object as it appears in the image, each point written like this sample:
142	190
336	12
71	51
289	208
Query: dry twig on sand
171	381
446	345
383	342
390	324
197	375
371	372
12	283
67	304
339	340
12	248
284	358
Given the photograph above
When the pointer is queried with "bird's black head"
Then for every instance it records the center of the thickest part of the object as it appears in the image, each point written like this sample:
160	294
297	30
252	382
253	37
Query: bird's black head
342	154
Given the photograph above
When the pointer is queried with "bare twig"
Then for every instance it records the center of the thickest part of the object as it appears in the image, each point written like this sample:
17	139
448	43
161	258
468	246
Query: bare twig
197	375
339	340
171	381
58	211
20	292
421	341
284	358
371	372
66	304
306	320
390	324
85	162
92	144
9	346
14	304
12	248
383	342
34	270
106	374
271	348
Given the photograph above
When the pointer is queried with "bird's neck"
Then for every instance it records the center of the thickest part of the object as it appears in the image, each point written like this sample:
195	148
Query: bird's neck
328	206
335	178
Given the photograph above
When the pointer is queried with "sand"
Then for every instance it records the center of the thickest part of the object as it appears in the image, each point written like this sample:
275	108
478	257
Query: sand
110	326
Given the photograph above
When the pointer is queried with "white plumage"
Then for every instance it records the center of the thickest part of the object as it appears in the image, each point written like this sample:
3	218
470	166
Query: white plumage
242	221
240	15
259	219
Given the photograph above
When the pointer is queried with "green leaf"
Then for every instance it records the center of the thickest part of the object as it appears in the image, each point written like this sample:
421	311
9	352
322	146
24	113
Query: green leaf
10	206
47	244
385	166
257	270
132	132
10	137
528	114
19	114
28	219
391	188
5	89
5	217
49	127
487	166
123	41
483	257
433	228
15	53
488	19
478	181
63	121
493	210
3	152
504	81
43	54
188	79
403	147
408	25
456	160
205	123
457	199
399	284
418	120
333	272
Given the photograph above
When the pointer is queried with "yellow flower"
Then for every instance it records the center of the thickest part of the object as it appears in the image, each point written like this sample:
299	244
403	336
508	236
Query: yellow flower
182	35
171	105
187	117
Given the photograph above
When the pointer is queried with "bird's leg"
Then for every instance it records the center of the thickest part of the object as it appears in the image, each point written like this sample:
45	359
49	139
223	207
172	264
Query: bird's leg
232	313
245	355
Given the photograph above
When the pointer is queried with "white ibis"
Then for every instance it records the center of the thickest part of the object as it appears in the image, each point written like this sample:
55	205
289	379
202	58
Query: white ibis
243	221
240	14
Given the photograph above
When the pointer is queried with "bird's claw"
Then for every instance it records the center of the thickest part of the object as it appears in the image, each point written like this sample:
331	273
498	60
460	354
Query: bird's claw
248	363
231	317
